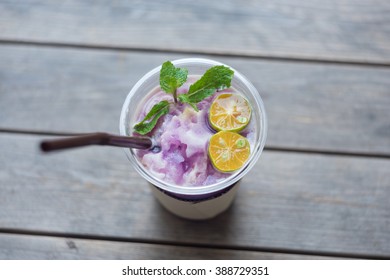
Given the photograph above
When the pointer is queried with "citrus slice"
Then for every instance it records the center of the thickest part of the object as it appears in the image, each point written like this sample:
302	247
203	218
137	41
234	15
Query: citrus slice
228	151
230	112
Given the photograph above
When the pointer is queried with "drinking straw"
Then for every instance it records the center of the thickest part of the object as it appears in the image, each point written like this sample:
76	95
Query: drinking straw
99	138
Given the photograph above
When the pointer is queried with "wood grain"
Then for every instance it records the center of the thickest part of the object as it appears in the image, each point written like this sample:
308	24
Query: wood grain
351	30
289	201
309	106
27	247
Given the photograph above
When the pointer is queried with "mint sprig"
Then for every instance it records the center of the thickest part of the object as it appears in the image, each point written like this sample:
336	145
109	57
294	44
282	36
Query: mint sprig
215	78
171	78
150	120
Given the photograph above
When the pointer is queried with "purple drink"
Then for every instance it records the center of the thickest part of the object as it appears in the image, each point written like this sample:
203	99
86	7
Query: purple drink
183	135
181	175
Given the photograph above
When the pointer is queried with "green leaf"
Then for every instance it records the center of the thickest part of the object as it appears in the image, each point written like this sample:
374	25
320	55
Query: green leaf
216	78
171	77
150	120
184	99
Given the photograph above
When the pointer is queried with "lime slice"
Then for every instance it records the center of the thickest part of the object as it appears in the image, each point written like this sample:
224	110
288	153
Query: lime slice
228	151
229	112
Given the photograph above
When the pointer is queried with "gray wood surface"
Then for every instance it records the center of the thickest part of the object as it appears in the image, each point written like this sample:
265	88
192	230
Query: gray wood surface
351	30
310	106
289	201
26	247
321	188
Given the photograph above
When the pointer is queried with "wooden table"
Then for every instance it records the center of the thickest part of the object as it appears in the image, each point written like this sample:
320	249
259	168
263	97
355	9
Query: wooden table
321	188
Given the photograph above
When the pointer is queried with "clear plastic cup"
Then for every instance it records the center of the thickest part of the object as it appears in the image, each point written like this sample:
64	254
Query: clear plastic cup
200	202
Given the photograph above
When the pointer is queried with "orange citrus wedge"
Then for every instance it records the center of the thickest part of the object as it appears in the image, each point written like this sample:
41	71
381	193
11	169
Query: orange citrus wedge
228	151
230	112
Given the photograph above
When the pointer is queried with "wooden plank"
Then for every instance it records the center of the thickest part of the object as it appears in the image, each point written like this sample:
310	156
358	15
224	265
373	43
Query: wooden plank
348	31
289	201
310	106
28	247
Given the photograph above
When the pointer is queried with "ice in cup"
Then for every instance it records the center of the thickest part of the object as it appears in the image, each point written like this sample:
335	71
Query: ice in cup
181	175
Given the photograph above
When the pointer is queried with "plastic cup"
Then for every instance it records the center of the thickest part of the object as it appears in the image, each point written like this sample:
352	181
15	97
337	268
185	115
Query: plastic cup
199	202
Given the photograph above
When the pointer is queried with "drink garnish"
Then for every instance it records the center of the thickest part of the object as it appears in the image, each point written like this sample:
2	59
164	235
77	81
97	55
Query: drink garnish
215	78
230	112
228	151
150	120
171	78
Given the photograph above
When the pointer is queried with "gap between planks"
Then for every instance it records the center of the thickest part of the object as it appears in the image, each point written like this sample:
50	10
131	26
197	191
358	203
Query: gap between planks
266	148
355	62
194	245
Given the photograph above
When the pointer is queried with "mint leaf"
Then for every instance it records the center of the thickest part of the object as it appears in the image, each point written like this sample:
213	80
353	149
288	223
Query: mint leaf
185	99
171	77
158	110
217	77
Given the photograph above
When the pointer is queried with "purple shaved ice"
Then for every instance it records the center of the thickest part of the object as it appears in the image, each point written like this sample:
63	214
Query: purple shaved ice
183	135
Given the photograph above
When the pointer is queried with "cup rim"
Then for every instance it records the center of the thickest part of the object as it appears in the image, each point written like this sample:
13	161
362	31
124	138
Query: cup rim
220	185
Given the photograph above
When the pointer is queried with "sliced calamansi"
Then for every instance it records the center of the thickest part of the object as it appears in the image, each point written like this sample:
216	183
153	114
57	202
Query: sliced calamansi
228	151
229	112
